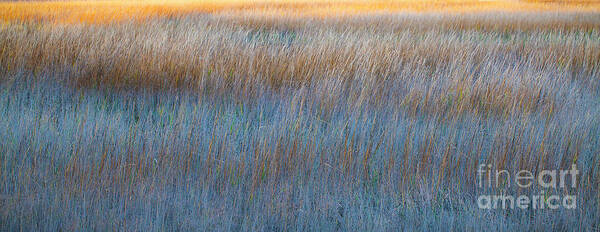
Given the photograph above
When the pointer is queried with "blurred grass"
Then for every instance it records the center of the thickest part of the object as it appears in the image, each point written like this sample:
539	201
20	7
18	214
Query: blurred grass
269	118
111	11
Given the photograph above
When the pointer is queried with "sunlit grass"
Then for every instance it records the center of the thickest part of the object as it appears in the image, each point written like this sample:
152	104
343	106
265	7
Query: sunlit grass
110	11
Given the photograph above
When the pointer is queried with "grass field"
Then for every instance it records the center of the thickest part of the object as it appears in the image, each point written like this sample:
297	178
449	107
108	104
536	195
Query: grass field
295	116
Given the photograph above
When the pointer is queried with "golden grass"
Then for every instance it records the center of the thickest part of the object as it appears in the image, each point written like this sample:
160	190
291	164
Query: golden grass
111	11
242	54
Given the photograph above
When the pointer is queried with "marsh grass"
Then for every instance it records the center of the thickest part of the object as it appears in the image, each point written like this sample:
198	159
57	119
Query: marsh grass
264	122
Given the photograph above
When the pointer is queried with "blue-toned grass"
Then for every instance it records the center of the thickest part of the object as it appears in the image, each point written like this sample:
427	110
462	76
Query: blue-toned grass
363	129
